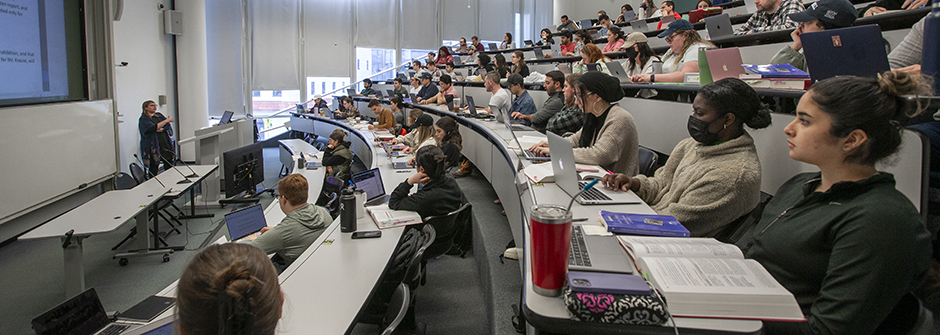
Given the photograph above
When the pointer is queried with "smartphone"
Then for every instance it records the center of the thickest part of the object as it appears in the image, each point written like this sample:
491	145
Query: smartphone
612	283
366	234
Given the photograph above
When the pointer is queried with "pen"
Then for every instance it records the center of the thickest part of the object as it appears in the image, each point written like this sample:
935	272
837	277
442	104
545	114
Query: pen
579	220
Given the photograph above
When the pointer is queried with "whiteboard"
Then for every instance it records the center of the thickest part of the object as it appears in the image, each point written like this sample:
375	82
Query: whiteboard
48	151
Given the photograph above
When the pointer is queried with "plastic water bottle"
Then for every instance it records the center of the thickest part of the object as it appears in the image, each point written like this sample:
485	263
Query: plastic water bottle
930	61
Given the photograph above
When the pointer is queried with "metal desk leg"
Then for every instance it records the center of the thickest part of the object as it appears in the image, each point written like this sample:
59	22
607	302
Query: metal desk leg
74	267
192	207
143	241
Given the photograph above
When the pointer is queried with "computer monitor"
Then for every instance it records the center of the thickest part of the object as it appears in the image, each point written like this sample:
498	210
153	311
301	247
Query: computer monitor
243	169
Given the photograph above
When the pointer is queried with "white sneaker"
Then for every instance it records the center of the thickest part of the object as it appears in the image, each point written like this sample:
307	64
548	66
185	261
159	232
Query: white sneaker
512	253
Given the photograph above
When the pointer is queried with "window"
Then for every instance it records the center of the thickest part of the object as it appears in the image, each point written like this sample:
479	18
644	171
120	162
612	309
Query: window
255	93
326	87
264	103
276	93
374	61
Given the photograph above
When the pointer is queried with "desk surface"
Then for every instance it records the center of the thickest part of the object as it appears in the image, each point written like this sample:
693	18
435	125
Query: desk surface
102	214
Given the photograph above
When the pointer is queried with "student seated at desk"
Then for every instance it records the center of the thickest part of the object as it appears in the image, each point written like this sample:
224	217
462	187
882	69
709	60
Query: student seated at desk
475	42
668	8
885	5
567	47
444	56
447	134
411	121
614	39
318	102
581	38
771	15
623	11
398	88
483	61
546	38
518	64
398	111
570	118
640	56
367	88
428	90
447	88
608	137
440	194
337	157
506	43
301	226
421	134
229	288
522	104
384	117
554	81
435	72
844	241
821	15
703	4
647	10
567	25
451	71
349	109
501	66
682	56
713	177
590	53
604	21
471	57
462	47
415	87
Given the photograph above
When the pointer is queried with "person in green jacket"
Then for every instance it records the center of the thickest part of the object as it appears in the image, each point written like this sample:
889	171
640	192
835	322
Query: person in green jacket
844	241
367	91
302	225
337	157
821	15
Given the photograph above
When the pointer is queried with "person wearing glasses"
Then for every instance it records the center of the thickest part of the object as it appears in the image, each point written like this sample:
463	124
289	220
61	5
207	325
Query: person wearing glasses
300	227
682	56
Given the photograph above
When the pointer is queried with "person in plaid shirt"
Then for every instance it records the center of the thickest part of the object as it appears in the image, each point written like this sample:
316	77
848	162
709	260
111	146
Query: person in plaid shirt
570	118
771	15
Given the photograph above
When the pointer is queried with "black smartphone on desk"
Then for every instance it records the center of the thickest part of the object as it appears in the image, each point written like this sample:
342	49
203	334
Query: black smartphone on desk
367	234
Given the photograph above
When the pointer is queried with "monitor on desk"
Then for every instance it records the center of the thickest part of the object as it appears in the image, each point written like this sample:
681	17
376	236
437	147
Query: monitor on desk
244	169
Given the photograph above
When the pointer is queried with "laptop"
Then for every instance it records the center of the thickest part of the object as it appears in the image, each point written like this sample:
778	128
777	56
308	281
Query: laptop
629	16
639	26
391	94
493	46
244	223
472	110
528	154
300	109
503	115
597	253
616	70
378	95
853	51
161	326
586	23
371	182
528	43
556	50
351	92
226	117
592	67
724	63
719	26
413	98
82	315
398	165
666	20
456	59
566	177
538	53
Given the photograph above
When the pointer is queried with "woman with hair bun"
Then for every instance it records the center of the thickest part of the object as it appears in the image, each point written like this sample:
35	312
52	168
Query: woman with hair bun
843	240
229	288
713	177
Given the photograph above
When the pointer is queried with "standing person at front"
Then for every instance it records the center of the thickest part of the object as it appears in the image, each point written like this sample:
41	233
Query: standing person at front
523	103
440	194
608	137
151	125
843	240
301	225
771	15
554	82
337	157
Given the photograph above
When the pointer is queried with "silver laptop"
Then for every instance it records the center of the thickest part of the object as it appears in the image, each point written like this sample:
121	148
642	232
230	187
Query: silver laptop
566	177
456	59
719	26
639	26
493	46
666	20
586	23
371	182
616	70
528	154
597	253
538	53
351	92
556	50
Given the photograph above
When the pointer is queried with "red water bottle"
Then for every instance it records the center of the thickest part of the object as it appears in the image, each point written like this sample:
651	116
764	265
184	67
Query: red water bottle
550	228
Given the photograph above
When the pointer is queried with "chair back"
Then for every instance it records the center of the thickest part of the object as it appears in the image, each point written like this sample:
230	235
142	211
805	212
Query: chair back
397	308
414	271
123	181
647	159
137	172
446	228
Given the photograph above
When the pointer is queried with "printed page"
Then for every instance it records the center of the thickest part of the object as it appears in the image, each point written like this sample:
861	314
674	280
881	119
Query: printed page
710	275
642	246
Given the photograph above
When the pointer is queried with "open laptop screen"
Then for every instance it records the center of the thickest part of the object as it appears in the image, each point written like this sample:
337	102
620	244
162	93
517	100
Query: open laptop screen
226	117
83	314
370	182
245	222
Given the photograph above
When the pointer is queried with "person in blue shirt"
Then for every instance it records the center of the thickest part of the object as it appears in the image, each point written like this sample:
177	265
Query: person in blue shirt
523	103
428	90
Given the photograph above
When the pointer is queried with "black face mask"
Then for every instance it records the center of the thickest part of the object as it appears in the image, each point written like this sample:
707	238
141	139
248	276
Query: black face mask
698	129
631	53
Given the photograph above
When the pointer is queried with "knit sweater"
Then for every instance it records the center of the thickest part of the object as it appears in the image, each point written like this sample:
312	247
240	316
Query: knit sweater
296	232
615	147
705	186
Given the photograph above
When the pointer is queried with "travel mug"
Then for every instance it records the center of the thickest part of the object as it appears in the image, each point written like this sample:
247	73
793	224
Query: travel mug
360	203
550	228
347	211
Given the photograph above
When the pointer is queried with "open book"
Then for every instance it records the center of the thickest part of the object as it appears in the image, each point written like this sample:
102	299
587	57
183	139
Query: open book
702	277
389	218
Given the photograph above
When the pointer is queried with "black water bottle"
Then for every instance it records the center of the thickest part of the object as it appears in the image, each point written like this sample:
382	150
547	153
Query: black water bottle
347	211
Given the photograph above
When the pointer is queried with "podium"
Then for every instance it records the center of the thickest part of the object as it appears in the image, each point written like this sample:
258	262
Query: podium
211	142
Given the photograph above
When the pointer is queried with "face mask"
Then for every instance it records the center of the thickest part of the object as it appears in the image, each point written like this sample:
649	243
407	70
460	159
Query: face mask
698	129
631	52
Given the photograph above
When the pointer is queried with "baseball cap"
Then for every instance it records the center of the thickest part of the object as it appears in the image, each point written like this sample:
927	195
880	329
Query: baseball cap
675	26
425	75
514	79
318	96
367	80
634	38
838	12
424	120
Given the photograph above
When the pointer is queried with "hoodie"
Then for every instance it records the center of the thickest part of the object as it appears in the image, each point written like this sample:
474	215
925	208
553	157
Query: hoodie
297	231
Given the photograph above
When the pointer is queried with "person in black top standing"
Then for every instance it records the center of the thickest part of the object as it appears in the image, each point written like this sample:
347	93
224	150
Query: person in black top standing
155	144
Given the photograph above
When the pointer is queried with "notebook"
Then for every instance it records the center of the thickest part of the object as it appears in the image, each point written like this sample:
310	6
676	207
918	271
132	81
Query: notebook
371	182
147	310
528	154
566	177
244	223
226	117
616	70
597	253
719	26
82	314
853	51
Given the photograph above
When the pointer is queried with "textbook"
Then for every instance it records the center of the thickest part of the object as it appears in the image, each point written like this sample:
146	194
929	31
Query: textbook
780	83
702	277
389	218
643	224
772	71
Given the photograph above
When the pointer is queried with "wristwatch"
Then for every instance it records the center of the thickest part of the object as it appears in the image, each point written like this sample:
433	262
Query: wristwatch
652	78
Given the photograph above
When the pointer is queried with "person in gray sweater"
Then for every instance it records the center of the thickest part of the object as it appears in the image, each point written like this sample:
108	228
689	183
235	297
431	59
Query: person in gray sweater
554	82
300	228
713	177
821	15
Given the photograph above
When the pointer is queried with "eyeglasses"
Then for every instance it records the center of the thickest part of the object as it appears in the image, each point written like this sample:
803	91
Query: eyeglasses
670	37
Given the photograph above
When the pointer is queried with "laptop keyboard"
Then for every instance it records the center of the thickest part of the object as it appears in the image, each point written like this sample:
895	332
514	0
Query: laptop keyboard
593	193
114	329
377	201
578	254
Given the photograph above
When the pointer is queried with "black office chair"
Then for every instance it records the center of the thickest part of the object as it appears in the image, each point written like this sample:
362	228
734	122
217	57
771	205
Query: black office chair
123	181
403	268
742	226
648	160
446	227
